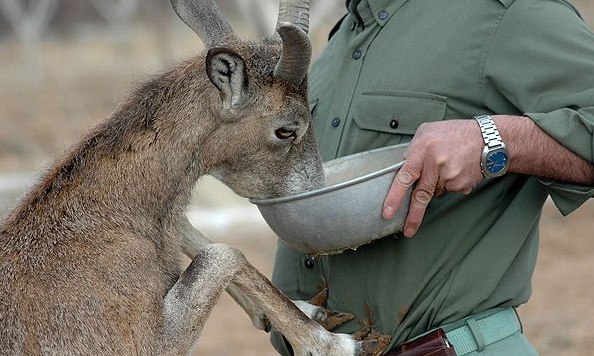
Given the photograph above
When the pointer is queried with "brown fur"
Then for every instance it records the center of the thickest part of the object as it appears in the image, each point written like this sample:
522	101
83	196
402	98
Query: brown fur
89	259
88	255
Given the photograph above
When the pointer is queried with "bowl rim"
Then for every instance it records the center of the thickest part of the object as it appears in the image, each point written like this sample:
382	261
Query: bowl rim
328	189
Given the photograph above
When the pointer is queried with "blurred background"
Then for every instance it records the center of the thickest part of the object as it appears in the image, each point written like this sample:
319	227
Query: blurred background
64	64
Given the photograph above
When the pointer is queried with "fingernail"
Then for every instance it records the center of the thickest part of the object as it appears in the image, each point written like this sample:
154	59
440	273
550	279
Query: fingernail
409	232
388	213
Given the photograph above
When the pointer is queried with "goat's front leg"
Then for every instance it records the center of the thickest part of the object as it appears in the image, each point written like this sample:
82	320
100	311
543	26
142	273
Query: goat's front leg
188	304
306	336
193	241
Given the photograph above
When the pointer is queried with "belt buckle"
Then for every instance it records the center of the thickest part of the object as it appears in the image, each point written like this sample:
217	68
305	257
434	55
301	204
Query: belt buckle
435	343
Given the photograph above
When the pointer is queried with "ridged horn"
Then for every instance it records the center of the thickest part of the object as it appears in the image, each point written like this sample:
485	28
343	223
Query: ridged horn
295	12
292	26
296	54
205	18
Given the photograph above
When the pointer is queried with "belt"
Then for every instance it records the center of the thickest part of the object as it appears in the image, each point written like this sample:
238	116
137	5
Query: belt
467	335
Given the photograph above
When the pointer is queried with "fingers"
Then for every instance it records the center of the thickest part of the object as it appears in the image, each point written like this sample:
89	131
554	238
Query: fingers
420	198
440	158
404	179
415	170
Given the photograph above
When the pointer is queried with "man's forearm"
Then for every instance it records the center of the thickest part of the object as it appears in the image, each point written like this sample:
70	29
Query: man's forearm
533	152
445	156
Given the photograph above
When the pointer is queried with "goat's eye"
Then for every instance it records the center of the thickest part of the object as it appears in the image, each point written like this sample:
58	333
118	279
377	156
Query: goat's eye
284	134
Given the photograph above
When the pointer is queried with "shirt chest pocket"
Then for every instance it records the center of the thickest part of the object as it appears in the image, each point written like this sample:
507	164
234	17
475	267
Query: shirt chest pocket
383	118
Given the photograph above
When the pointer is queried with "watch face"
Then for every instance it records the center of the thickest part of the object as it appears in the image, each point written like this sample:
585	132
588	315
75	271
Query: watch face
496	162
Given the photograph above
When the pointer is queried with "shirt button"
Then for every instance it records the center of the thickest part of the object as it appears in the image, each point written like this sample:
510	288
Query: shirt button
357	54
394	124
309	262
382	14
335	122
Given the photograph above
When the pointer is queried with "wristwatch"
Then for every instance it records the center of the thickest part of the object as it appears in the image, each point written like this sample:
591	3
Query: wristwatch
495	158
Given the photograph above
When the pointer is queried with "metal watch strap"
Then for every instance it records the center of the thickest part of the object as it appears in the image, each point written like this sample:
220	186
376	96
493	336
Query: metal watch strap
490	133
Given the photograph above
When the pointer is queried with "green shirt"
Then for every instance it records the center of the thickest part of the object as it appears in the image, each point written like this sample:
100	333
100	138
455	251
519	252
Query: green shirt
393	65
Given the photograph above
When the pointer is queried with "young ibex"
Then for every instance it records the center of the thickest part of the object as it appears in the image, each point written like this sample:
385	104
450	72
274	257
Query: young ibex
89	259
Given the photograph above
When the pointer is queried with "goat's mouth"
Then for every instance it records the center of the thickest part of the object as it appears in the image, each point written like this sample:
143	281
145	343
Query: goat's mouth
284	194
308	186
303	182
257	187
292	192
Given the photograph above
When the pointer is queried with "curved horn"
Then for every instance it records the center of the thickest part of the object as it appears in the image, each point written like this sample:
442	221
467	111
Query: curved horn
296	54
295	12
292	26
205	18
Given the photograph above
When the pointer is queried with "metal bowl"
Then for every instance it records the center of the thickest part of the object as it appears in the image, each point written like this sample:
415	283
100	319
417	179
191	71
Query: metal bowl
347	212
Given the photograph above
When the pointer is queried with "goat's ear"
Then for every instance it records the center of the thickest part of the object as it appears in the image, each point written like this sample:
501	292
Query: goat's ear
226	70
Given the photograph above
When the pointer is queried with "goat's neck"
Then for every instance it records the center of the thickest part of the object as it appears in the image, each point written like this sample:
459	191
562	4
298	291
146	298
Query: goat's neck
137	168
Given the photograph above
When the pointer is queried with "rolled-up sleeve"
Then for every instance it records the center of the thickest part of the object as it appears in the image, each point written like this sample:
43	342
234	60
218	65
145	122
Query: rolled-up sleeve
543	67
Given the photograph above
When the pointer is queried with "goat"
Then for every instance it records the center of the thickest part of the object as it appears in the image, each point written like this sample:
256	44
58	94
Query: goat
89	259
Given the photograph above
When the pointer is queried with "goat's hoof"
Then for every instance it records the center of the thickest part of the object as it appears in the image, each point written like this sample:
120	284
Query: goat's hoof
331	319
373	345
320	299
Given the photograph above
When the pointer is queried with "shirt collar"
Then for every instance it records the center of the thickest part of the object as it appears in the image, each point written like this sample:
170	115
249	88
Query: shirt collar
368	11
506	3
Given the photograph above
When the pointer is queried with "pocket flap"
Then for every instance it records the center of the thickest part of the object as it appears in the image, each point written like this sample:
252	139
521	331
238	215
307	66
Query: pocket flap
398	112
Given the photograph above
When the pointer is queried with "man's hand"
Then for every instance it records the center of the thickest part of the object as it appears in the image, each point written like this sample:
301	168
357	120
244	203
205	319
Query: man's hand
443	156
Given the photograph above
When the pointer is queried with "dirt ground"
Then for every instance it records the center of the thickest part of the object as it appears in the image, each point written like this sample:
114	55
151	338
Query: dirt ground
81	80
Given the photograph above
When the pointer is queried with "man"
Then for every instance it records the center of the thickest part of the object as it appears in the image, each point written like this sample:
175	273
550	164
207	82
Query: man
398	68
